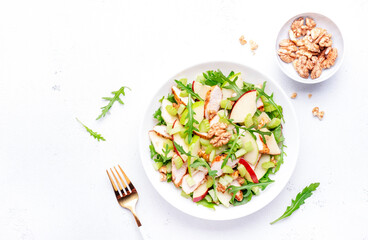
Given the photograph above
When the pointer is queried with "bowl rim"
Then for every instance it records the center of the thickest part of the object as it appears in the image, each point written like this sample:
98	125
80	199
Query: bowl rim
309	80
292	116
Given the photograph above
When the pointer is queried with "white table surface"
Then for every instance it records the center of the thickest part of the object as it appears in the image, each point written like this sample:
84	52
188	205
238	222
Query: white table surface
58	58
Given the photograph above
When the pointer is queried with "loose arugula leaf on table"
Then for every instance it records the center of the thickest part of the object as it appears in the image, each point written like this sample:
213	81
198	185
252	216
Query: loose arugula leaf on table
269	103
188	89
191	121
112	100
299	200
157	115
96	135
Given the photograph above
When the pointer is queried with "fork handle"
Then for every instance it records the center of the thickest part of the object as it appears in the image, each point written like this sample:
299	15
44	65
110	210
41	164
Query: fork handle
144	234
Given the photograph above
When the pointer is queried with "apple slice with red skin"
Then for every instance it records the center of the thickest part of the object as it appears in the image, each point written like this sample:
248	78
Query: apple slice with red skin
249	170
245	105
200	192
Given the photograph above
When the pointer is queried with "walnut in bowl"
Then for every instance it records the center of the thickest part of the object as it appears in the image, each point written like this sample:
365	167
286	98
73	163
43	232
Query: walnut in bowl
309	48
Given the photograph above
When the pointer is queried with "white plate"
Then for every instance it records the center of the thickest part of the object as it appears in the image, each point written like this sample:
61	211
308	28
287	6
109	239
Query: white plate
291	132
338	42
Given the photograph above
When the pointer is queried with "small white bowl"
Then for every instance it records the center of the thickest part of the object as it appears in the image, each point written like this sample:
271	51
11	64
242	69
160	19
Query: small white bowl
338	42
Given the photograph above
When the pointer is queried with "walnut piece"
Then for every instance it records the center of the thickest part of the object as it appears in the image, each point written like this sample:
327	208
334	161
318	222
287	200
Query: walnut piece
300	66
163	169
293	95
253	45
163	177
330	58
315	111
220	187
219	134
316	71
309	95
242	40
202	154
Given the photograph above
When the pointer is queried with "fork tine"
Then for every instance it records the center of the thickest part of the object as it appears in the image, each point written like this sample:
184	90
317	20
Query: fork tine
117	181
112	182
132	188
125	186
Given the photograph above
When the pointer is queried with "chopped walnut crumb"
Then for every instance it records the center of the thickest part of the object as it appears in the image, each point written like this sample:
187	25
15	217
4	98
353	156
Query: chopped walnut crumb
221	188
239	196
317	113
219	134
235	174
202	154
163	177
293	95
240	180
309	95
253	45
163	169
242	40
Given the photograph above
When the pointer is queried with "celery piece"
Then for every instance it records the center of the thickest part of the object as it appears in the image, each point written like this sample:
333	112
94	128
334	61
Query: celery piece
248	121
169	144
267	165
183	118
208	198
171	110
255	190
209	149
209	182
195	138
181	108
183	94
227	169
190	181
183	194
197	104
212	155
226	180
255	120
223	117
226	104
183	81
157	165
169	167
233	137
240	152
204	142
200	78
248	146
204	126
242	170
213	195
182	133
178	162
275	122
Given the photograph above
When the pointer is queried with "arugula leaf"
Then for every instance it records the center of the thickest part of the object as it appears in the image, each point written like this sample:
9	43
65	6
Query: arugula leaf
269	102
191	121
249	186
93	134
203	202
188	89
112	100
171	98
280	159
247	196
213	78
201	162
152	151
157	115
277	132
299	200
164	159
250	130
232	149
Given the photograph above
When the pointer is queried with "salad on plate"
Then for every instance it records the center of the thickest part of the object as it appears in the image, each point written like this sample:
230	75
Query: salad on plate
218	138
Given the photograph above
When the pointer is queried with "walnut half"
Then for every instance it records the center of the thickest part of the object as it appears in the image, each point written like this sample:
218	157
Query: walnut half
219	134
